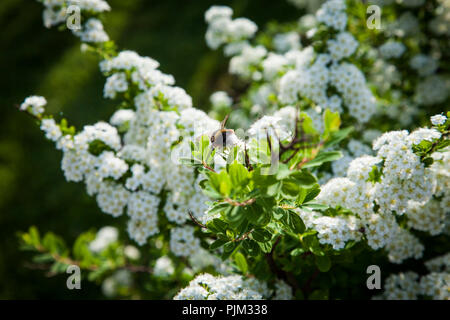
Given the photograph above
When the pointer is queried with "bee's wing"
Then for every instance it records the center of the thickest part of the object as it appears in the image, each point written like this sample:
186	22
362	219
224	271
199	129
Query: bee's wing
224	122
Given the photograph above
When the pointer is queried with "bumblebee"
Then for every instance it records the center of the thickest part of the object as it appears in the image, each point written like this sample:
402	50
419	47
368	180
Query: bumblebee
223	137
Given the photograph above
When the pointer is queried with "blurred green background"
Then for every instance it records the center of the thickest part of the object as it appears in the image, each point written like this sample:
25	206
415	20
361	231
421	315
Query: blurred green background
35	60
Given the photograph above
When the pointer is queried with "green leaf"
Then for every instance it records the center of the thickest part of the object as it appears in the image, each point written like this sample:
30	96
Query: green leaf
238	174
313	245
337	137
251	247
308	124
58	267
241	262
228	249
273	190
293	222
34	236
217	244
315	206
290	189
304	178
297	252
283	171
43	258
323	263
332	122
297	223
261	235
54	244
225	183
375	174
81	249
443	144
235	216
323	157
301	196
218	208
266	247
428	161
312	193
257	214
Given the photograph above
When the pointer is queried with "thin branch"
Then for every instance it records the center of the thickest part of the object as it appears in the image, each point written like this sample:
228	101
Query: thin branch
240	204
201	225
207	167
243	237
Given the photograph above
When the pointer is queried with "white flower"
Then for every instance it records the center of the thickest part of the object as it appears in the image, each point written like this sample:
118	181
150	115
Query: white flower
34	105
122	116
438	119
208	287
131	252
392	49
221	98
163	267
343	46
51	129
105	236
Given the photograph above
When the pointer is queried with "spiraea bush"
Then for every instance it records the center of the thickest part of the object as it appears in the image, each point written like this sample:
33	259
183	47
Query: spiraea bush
338	160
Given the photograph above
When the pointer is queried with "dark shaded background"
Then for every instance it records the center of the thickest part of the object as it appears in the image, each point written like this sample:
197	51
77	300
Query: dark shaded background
35	60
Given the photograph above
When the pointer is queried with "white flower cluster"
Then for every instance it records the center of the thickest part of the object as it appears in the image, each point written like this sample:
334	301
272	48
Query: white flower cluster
428	66
440	24
405	187
284	42
122	116
343	46
408	285
384	75
57	11
351	83
114	84
438	119
403	286
282	291
424	65
34	104
163	267
51	129
127	165
118	281
105	236
281	124
392	49
292	73
427	218
404	26
335	231
92	31
244	63
221	99
208	287
439	264
332	13
182	241
431	90
222	29
404	176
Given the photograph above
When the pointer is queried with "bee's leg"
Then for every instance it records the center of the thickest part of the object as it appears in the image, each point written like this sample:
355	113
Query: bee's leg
224	139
